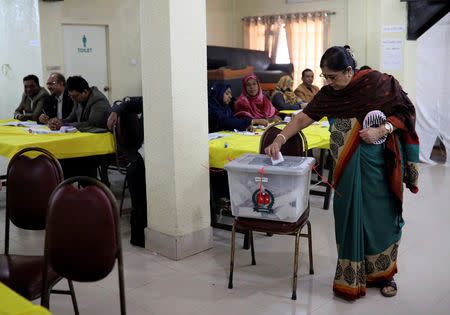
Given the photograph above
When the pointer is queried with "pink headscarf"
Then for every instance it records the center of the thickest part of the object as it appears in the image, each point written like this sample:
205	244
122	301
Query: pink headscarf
257	106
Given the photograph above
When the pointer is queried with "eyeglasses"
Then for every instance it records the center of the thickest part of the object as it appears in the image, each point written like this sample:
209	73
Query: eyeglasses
52	83
331	77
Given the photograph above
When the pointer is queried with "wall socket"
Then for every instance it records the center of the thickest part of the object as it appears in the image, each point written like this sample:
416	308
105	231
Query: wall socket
53	68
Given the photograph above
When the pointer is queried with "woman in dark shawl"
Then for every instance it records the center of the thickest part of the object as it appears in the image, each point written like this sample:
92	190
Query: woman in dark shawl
368	176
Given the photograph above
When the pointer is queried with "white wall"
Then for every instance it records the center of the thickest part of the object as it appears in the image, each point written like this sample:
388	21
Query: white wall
122	20
19	32
219	17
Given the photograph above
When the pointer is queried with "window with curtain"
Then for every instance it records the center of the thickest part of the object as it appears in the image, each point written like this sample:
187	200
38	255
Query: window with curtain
301	36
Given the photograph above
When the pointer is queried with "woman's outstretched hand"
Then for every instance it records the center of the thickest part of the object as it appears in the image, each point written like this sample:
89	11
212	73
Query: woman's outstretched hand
273	150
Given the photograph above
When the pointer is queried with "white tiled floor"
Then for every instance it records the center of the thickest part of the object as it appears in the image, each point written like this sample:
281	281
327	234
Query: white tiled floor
198	284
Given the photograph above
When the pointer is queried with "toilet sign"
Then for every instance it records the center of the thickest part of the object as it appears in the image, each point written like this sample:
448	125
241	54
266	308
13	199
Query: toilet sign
85	49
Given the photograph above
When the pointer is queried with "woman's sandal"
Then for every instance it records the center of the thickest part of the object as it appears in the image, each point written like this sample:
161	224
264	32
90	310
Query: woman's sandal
388	283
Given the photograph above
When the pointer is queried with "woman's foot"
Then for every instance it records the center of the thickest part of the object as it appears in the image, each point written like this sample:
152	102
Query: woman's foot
388	288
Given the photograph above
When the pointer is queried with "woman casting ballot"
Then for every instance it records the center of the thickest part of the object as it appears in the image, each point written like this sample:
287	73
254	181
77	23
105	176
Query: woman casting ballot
368	176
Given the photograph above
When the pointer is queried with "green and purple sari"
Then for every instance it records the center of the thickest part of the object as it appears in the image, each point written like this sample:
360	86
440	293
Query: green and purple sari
368	177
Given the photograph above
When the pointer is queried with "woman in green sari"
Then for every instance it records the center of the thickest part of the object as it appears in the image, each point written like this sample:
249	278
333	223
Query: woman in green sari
369	177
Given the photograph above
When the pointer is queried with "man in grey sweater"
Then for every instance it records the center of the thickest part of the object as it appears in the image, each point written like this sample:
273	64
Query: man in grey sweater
90	111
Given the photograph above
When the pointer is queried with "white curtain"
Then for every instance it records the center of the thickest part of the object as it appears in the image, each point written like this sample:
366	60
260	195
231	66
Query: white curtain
306	39
262	33
254	33
433	92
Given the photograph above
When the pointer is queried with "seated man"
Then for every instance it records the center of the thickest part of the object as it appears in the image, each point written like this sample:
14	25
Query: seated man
135	171
33	99
59	104
90	111
307	90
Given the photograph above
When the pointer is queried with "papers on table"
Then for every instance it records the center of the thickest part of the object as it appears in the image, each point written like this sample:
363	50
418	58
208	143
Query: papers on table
28	124
297	111
246	133
325	124
214	135
63	129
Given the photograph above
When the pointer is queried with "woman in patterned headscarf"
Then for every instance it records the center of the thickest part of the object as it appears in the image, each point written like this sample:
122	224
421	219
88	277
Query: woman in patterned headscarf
368	177
252	103
282	96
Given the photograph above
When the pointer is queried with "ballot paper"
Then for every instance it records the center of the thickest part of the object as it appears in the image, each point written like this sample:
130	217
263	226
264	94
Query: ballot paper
39	131
246	133
280	159
28	124
215	135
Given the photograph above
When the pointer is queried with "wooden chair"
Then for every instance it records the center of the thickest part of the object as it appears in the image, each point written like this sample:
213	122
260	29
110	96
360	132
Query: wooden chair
30	184
296	146
82	239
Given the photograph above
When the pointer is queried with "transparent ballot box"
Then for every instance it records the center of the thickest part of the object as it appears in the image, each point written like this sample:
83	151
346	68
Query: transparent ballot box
261	190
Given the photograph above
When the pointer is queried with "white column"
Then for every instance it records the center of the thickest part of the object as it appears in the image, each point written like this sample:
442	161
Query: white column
173	47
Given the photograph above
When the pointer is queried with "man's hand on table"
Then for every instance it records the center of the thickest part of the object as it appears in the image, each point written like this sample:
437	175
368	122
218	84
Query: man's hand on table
22	117
55	124
43	119
112	120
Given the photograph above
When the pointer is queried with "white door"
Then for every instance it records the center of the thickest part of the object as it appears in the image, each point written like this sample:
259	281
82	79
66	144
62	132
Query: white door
85	54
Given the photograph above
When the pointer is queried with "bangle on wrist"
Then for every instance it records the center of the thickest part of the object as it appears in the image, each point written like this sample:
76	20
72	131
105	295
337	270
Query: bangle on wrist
281	135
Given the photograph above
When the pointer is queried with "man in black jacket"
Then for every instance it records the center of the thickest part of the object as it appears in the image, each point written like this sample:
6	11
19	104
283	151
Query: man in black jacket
136	169
59	104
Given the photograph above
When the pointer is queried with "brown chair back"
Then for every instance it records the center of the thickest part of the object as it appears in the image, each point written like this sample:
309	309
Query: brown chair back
295	146
30	183
82	235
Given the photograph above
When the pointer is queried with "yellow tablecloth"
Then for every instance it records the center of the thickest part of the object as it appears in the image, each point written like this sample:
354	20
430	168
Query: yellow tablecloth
12	303
316	136
63	146
288	111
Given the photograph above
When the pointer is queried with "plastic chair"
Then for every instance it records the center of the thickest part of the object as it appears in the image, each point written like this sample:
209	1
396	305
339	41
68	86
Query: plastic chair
37	178
295	146
82	239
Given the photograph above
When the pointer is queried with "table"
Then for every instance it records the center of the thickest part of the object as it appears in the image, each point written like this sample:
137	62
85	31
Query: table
63	146
12	303
236	145
288	112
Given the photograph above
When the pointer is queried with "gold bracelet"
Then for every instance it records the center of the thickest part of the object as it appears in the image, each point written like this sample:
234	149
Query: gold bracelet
283	137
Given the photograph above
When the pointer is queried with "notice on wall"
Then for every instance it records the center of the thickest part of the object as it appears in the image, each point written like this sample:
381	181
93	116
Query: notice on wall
34	43
392	54
392	28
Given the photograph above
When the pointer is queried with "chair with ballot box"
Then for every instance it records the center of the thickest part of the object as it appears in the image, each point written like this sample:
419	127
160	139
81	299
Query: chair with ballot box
272	199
